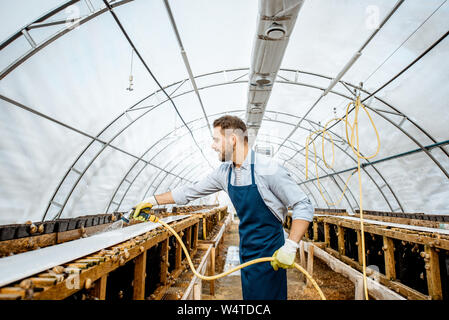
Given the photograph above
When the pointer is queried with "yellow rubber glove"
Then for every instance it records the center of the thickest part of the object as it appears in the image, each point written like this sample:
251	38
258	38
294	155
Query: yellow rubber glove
284	257
147	203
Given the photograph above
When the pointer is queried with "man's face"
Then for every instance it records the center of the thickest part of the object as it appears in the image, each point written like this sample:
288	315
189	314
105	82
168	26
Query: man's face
223	143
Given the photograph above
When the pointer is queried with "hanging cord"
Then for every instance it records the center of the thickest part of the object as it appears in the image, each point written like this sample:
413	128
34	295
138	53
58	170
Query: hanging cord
153	218
354	142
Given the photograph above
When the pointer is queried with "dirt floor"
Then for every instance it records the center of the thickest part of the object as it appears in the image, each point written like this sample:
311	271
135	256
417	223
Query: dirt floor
333	285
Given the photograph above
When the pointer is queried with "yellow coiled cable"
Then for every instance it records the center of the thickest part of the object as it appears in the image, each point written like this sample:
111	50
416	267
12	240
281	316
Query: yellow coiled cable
354	135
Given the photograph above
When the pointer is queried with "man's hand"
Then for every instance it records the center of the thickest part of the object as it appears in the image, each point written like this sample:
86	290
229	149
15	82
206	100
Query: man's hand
285	256
147	203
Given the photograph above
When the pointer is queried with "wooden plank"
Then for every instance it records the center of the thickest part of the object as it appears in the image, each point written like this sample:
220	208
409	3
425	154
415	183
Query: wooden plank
164	262
360	252
390	265
399	288
178	255
212	271
375	289
432	265
326	234
195	235
188	243
341	240
419	237
25	244
204	228
99	289
63	289
315	231
310	264
139	276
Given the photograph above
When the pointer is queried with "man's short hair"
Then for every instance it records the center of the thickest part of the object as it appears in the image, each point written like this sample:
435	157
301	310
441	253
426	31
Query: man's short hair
231	122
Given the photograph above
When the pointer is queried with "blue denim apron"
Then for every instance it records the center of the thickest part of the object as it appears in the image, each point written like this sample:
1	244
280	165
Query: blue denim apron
261	234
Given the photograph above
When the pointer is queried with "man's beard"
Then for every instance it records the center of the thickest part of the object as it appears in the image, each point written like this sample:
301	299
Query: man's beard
225	155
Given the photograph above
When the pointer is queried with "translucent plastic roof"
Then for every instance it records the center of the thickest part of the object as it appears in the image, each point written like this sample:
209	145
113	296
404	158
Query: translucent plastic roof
75	141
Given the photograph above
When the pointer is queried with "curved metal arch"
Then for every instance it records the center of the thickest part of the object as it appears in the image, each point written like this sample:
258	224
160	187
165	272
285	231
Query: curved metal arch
196	167
39	23
293	166
148	150
386	199
141	170
233	82
345	152
183	159
304	181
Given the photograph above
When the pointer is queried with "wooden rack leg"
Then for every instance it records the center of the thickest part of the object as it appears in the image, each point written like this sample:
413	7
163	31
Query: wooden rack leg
310	265
359	247
341	240
302	259
326	235
315	231
390	266
433	273
195	235
99	289
164	261
189	238
178	257
139	276
212	271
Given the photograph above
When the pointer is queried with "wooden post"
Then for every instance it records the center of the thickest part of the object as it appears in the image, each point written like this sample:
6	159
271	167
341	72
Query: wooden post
341	240
212	271
204	228
433	273
302	259
359	247
99	289
310	264
139	276
326	235
315	231
197	290
390	265
164	261
195	235
178	256
189	238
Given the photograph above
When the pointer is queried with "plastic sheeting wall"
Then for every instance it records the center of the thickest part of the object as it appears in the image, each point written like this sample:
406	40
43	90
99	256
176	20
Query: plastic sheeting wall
81	80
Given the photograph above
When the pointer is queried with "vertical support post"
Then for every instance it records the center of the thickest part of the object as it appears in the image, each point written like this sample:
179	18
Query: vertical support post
359	247
189	238
390	265
302	259
315	230
197	290
164	261
204	227
326	235
99	289
341	240
433	273
139	276
178	257
310	264
195	235
212	271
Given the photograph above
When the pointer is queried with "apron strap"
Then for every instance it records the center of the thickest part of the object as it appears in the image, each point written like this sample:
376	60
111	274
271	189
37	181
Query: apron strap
253	181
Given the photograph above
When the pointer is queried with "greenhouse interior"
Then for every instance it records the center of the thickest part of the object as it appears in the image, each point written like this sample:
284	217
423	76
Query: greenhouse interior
224	150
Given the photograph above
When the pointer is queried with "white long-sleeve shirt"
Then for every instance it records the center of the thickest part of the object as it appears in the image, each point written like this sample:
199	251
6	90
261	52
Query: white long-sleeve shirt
275	184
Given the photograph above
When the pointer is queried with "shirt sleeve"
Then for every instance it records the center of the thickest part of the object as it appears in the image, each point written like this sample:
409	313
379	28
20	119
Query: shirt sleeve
211	184
290	194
